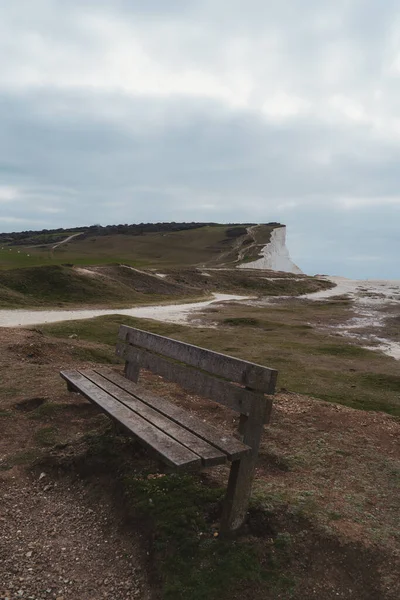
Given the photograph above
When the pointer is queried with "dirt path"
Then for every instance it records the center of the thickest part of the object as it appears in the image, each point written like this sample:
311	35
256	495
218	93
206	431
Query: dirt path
68	239
172	313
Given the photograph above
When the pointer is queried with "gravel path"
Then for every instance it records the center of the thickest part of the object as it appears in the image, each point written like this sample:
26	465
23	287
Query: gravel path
170	313
55	546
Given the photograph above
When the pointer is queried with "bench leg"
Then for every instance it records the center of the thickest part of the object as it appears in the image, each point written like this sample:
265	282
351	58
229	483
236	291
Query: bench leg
241	476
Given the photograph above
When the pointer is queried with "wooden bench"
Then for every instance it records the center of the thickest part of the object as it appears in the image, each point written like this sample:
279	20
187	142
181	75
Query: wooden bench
177	437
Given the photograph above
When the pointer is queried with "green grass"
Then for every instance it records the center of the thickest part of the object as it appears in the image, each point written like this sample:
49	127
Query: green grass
46	436
98	355
345	351
382	381
154	249
193	564
309	361
53	285
104	330
179	513
116	286
47	410
23	458
242	322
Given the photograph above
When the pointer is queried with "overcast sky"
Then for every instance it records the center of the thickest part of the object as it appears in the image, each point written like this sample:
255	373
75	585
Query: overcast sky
124	111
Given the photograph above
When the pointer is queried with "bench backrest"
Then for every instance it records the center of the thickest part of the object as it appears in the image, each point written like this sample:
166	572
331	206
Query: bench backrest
203	372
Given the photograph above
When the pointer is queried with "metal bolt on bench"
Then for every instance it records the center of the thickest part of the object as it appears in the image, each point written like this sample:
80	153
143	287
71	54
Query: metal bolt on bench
175	436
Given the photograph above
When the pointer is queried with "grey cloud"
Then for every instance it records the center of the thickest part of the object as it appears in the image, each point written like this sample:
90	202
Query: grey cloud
79	154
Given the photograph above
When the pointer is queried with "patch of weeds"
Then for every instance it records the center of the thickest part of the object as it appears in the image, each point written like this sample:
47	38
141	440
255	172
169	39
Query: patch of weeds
346	351
23	458
296	461
274	462
46	411
333	515
105	329
362	402
382	381
98	355
46	436
336	301
5	413
305	505
343	452
267	500
193	563
283	540
242	321
102	444
9	391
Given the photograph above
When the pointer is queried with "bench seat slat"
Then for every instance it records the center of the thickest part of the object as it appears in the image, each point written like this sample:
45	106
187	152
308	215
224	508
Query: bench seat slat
171	451
209	454
233	448
240	371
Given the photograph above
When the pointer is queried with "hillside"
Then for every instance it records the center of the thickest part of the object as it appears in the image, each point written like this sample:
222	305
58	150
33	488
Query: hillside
126	265
141	246
124	286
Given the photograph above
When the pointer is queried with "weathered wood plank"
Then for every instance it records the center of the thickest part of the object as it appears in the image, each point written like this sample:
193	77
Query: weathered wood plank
132	371
198	382
242	474
165	447
233	448
208	454
233	369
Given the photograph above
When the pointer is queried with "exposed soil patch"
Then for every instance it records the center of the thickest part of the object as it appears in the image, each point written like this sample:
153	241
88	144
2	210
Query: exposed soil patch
58	541
29	404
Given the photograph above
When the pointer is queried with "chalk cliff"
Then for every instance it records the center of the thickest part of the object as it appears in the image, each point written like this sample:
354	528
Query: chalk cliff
274	255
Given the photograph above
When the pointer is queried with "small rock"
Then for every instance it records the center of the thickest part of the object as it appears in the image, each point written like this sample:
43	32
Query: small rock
41	476
29	554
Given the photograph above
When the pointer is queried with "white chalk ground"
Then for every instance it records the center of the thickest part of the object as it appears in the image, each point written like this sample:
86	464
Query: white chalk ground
369	297
171	313
275	255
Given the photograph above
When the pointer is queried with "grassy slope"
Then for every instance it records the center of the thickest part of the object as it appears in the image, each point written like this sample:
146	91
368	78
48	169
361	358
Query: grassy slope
65	286
119	286
309	362
177	248
263	283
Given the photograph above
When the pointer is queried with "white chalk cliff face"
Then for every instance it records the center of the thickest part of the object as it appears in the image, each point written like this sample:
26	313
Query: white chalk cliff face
275	255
